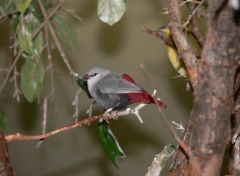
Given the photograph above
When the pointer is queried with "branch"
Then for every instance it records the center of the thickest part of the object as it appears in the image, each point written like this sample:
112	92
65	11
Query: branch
55	38
87	121
182	146
200	37
20	137
160	160
159	35
184	49
52	13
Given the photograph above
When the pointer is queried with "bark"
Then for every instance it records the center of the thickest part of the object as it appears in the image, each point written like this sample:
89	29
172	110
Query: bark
209	128
234	165
5	167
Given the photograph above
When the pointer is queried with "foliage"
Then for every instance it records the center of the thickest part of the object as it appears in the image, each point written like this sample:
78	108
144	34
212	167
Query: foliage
111	11
110	142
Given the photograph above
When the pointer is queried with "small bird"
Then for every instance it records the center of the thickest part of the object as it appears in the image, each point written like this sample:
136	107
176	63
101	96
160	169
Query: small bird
173	55
115	90
176	62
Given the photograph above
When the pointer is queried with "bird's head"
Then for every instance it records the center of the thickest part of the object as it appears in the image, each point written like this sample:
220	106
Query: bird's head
94	75
166	31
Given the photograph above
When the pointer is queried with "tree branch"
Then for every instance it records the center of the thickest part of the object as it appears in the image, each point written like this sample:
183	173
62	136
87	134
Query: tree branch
55	38
184	49
160	36
208	130
200	37
51	14
21	137
87	121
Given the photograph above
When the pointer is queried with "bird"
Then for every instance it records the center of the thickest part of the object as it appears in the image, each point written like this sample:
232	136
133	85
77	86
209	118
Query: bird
172	51
176	62
115	90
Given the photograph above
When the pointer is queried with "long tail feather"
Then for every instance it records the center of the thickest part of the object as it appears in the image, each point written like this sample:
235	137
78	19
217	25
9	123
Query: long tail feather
158	102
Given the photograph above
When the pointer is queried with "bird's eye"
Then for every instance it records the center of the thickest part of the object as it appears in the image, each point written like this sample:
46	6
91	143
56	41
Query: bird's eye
93	74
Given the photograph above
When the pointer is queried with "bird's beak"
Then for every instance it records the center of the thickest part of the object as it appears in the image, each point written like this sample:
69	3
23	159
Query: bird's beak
86	77
164	29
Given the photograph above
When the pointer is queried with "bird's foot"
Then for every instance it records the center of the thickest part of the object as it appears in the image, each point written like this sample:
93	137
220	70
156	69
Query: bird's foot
110	114
114	115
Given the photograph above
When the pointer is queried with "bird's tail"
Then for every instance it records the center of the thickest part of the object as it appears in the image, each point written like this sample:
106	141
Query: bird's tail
158	102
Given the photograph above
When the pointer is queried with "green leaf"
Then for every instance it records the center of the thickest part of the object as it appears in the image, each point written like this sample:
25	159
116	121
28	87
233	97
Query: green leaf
15	22
3	119
31	47
32	79
111	11
65	33
38	43
82	83
24	37
110	143
22	5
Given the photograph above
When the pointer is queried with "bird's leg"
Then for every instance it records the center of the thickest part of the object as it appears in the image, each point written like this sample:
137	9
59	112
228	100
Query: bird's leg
114	115
110	114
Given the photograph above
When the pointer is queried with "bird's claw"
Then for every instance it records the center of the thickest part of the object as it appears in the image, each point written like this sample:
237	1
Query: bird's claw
110	114
114	115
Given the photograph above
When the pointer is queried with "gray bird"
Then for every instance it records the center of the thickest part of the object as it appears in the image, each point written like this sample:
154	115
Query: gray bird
115	90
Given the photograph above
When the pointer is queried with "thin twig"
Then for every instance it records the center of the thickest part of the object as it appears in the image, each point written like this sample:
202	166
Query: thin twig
75	103
89	110
181	3
87	121
180	142
145	75
193	13
10	71
16	89
20	137
45	108
178	126
51	14
159	35
5	10
55	38
50	95
72	14
200	37
50	65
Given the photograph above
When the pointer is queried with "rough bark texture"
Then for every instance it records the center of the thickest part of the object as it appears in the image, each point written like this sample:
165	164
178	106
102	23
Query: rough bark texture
5	167
208	130
234	165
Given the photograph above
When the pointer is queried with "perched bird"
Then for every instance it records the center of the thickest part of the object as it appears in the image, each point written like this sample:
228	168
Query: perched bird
176	62
173	55
115	90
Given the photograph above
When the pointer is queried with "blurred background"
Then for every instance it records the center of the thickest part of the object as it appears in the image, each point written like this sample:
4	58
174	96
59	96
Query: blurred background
121	47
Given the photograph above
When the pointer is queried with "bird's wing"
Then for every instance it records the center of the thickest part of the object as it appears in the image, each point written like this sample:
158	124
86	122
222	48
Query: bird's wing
115	84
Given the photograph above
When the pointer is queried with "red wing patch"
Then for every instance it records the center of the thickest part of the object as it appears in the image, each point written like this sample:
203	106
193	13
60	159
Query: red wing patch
128	78
142	97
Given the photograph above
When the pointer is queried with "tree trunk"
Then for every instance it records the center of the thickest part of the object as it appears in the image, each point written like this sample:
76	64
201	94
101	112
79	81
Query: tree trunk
209	128
5	167
235	148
